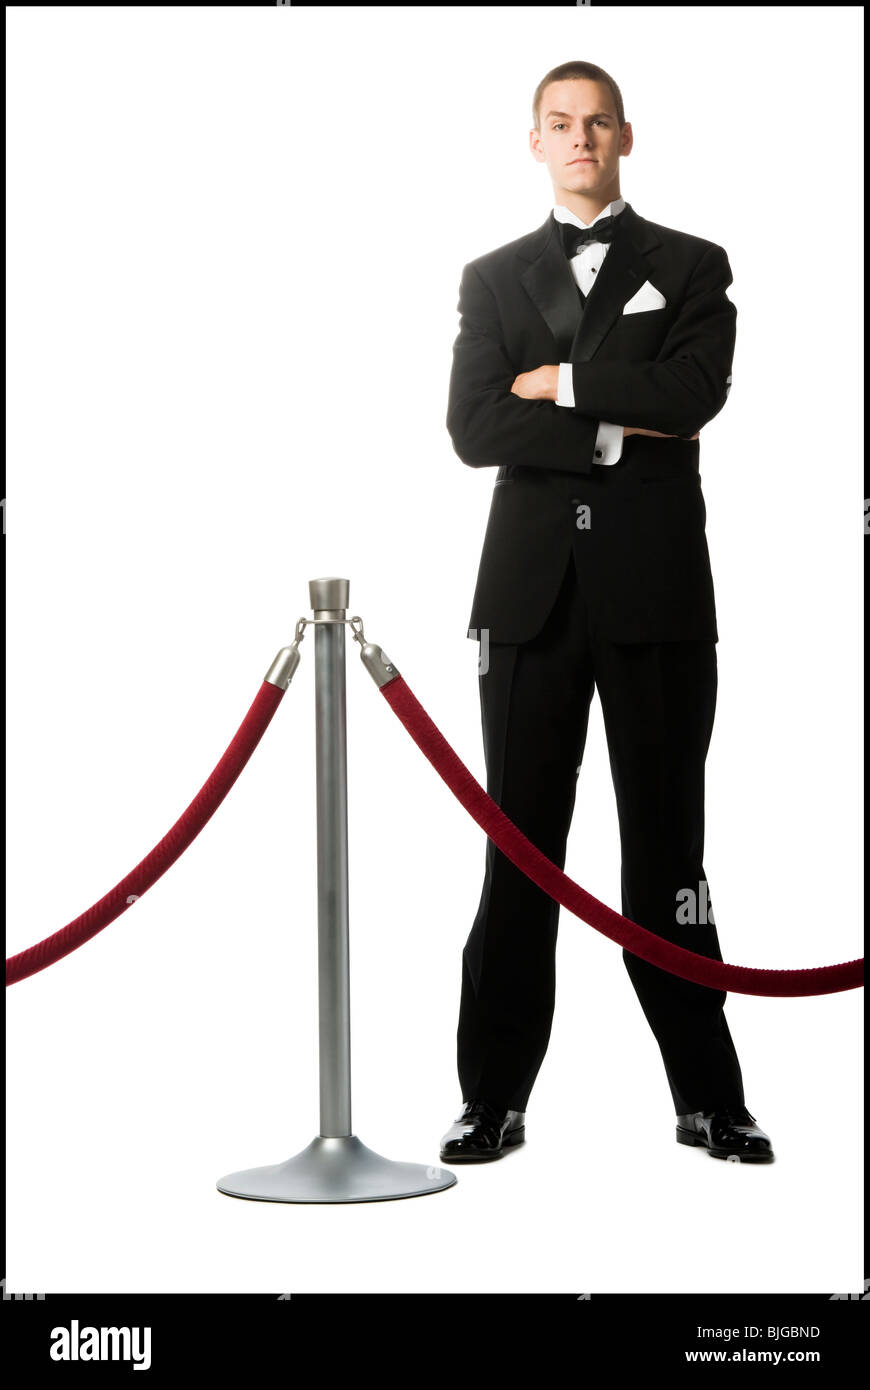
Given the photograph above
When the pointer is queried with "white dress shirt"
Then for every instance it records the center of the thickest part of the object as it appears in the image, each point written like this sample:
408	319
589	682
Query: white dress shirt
585	267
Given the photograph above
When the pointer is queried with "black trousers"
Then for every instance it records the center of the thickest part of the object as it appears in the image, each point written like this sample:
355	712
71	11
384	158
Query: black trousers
658	702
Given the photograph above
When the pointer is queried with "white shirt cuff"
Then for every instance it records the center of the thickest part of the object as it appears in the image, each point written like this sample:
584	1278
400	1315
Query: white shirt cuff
565	388
608	443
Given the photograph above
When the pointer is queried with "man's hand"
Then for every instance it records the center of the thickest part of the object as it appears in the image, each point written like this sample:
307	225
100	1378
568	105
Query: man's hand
540	385
657	434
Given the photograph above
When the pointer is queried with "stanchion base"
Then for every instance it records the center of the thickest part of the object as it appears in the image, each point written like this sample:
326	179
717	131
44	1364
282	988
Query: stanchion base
336	1170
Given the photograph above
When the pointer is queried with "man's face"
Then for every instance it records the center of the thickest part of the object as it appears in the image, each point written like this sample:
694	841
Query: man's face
578	123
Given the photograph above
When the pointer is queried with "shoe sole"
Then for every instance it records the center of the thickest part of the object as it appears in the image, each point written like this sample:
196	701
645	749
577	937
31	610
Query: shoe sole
697	1141
511	1140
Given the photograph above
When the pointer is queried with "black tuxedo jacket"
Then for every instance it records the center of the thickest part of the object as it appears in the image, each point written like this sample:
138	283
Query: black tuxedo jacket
643	556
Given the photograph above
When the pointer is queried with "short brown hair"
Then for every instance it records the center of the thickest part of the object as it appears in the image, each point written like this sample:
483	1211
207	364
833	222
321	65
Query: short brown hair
563	73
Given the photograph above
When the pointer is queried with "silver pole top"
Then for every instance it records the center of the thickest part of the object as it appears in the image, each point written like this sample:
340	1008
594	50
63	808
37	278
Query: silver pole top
329	595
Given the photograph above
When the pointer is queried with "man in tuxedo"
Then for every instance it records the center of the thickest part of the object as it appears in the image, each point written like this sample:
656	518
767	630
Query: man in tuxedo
590	354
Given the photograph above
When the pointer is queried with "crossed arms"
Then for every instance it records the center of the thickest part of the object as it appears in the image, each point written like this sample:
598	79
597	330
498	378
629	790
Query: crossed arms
496	417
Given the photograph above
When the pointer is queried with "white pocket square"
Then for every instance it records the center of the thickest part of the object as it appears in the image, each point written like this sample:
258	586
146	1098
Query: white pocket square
647	297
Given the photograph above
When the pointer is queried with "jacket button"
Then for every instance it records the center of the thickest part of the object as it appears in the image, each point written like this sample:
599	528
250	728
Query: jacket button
598	453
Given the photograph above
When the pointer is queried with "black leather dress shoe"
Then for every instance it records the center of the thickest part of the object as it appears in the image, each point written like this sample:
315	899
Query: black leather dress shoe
726	1134
482	1132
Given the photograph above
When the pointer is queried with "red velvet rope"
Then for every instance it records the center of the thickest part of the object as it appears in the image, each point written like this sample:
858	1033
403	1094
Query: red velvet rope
823	979
164	854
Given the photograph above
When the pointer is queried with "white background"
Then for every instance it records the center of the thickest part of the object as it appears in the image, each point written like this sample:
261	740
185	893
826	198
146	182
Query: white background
235	239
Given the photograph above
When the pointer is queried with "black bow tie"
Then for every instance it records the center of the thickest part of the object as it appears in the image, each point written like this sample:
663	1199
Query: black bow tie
573	238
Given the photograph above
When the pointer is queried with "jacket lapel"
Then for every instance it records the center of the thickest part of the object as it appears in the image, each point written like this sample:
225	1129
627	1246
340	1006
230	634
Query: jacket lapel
549	282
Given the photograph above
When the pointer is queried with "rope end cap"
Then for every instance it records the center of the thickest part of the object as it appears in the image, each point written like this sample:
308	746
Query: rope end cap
378	664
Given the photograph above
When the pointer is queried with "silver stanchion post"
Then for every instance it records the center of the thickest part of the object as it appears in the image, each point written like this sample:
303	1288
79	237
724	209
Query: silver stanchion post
336	1166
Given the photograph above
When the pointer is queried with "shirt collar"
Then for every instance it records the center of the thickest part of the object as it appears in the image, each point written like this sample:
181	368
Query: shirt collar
563	214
